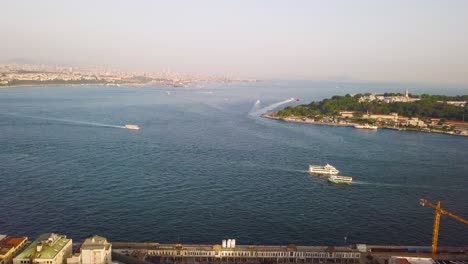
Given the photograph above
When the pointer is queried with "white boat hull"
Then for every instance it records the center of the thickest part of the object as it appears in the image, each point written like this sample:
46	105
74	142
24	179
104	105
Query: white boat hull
132	127
322	170
340	179
366	127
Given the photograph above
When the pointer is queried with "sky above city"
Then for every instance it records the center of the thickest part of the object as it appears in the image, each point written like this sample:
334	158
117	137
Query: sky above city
397	40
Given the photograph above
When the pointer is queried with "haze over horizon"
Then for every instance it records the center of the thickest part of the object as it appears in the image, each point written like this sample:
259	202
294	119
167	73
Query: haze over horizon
424	41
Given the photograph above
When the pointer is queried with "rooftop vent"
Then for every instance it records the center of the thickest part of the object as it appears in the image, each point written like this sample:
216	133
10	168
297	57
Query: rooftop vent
39	247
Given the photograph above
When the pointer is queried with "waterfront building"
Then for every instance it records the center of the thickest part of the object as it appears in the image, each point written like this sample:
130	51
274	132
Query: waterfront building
10	247
48	248
347	114
229	252
96	250
435	121
391	116
415	122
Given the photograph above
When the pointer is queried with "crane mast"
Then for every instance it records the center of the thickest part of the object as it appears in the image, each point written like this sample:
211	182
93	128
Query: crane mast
435	232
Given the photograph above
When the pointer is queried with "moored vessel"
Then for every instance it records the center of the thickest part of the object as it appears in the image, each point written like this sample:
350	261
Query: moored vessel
340	179
327	169
366	126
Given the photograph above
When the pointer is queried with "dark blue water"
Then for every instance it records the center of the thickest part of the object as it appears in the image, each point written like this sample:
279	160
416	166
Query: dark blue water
201	169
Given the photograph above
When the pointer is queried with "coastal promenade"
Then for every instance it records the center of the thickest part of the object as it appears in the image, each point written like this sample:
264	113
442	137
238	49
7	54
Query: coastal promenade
463	127
307	121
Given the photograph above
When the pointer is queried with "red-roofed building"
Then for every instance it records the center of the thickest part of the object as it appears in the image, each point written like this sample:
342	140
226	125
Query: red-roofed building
10	247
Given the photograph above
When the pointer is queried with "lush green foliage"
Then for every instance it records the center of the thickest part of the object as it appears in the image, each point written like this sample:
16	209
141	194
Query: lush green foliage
428	106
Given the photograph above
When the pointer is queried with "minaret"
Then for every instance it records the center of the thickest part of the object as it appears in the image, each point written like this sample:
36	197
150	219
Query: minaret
407	93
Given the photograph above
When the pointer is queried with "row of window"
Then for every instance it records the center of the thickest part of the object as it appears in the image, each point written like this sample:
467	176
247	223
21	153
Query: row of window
258	254
44	262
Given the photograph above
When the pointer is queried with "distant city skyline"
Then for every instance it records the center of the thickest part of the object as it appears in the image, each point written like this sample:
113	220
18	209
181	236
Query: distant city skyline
421	41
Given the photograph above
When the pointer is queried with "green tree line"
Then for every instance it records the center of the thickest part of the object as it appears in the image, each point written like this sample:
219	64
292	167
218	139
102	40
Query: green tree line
428	107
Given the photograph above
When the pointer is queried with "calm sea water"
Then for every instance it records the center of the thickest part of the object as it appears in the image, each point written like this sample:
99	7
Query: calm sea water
202	169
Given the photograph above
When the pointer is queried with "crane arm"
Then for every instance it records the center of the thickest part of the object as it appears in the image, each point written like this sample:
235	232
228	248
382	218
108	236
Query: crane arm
425	202
455	217
438	212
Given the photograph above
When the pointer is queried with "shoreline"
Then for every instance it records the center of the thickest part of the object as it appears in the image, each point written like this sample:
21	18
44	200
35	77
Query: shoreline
150	84
47	85
81	84
311	122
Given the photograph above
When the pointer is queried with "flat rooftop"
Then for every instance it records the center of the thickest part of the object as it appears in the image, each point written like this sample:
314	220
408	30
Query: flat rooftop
203	247
6	244
51	245
13	241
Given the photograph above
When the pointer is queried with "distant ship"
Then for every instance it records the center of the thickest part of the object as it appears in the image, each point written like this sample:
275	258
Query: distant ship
340	179
132	127
366	126
327	169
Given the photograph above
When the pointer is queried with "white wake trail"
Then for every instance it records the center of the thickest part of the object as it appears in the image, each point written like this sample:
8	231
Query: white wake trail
396	185
71	121
255	108
266	109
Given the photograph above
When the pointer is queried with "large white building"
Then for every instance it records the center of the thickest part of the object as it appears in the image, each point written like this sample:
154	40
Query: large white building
388	99
46	249
94	250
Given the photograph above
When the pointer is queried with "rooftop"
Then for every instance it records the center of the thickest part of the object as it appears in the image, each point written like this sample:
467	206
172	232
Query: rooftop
256	248
48	244
6	244
13	241
410	260
95	242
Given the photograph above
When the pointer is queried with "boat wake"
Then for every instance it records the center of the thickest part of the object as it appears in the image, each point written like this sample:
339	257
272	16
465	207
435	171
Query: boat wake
393	185
255	108
264	167
257	111
288	170
70	121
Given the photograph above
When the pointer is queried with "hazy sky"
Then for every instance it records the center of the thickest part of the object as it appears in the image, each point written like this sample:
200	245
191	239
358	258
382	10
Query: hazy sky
407	40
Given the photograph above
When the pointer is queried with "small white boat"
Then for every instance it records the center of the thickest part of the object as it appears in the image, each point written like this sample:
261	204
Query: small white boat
132	127
340	179
366	126
327	169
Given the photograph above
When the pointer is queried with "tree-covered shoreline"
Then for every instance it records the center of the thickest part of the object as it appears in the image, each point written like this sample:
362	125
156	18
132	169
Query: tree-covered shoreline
425	106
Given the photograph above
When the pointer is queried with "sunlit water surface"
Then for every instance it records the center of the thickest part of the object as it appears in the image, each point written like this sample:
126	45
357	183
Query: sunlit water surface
205	167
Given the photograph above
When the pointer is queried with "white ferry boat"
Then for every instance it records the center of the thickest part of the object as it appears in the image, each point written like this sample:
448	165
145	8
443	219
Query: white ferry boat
327	169
366	126
340	179
132	127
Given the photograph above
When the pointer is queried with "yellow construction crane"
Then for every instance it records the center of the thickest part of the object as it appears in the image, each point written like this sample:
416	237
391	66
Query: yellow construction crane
438	211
